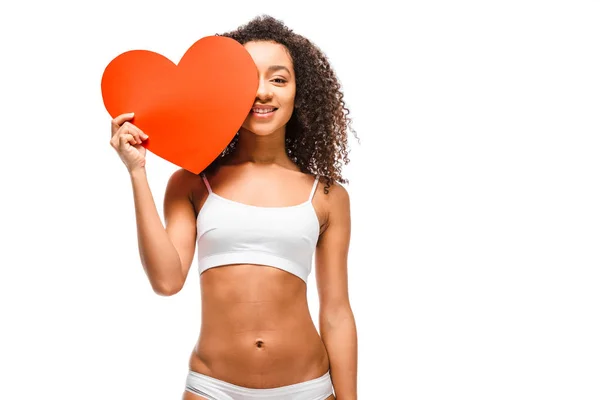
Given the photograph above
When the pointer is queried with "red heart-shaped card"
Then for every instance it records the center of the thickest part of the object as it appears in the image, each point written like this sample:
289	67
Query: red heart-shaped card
191	110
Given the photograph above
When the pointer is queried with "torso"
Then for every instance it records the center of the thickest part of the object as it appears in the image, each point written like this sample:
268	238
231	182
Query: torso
256	328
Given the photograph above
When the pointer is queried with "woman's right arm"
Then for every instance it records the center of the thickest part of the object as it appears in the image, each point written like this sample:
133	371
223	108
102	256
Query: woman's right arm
166	253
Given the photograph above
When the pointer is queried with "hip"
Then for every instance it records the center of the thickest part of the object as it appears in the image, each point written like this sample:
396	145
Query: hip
199	386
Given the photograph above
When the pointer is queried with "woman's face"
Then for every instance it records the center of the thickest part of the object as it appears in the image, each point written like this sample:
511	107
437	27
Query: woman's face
274	103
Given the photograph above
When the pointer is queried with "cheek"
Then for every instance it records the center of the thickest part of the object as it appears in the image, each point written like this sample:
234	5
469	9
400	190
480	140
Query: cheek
290	98
289	105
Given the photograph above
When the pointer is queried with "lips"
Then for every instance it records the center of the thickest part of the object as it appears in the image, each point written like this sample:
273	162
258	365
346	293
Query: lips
263	109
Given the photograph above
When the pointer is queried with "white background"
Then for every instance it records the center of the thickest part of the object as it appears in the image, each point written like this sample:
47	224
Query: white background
474	263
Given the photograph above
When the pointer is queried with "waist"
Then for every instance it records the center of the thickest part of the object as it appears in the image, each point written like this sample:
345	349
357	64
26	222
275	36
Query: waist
263	357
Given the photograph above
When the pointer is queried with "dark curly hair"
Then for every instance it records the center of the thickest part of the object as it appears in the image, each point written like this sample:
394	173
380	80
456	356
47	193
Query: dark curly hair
316	135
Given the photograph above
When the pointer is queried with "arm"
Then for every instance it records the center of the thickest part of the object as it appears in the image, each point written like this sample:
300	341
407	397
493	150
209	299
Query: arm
336	320
166	252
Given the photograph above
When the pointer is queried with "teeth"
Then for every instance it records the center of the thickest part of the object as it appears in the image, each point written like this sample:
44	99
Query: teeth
262	110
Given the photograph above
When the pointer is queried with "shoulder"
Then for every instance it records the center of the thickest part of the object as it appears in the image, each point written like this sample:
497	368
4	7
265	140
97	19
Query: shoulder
335	199
334	192
183	183
183	177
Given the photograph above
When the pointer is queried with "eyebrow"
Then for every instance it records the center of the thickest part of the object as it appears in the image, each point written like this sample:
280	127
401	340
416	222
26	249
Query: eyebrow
274	68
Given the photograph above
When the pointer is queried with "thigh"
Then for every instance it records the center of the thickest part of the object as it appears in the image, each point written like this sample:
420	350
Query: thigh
332	397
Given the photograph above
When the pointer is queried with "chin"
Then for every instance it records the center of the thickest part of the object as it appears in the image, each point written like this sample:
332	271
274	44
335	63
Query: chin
262	129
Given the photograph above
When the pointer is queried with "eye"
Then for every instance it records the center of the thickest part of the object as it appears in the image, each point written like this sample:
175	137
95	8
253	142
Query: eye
279	80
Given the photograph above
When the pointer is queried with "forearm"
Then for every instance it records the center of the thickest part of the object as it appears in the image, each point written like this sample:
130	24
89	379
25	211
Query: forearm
340	338
158	255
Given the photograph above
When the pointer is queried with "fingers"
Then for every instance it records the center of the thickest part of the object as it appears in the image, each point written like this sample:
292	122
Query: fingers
122	120
127	133
121	124
133	130
116	123
125	140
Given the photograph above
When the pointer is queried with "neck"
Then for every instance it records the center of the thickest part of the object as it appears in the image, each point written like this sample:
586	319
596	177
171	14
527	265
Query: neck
257	149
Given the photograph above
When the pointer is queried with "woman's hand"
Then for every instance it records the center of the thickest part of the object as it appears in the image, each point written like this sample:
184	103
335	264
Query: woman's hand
126	139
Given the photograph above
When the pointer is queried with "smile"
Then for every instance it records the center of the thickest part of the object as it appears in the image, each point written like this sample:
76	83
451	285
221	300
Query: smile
263	112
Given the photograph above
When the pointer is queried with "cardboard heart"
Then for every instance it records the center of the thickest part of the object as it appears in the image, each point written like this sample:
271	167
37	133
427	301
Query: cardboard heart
191	110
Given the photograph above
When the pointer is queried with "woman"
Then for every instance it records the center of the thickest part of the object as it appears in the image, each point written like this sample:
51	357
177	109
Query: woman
258	213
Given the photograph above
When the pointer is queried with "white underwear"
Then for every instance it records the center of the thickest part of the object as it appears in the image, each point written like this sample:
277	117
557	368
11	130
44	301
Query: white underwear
216	389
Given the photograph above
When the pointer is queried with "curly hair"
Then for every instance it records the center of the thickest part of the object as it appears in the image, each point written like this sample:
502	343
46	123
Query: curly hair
316	134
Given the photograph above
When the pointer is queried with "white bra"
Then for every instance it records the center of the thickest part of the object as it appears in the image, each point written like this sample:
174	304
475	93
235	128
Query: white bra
229	232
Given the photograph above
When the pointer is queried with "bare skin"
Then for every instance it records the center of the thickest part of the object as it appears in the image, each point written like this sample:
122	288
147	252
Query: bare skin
256	329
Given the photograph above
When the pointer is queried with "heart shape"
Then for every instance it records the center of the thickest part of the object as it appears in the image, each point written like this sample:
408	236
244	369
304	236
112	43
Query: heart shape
191	110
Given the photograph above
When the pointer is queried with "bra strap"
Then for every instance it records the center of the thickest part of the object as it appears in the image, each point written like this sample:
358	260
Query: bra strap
314	188
206	183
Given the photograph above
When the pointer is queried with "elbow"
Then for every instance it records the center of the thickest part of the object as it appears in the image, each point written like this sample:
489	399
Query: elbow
165	281
167	289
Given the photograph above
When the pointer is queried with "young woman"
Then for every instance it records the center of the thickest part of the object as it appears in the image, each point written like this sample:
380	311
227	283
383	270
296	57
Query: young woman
257	215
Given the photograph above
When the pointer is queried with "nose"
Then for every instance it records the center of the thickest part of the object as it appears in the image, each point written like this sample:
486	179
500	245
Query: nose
264	90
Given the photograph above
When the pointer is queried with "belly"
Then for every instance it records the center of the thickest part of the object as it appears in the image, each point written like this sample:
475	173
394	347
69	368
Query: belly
256	328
